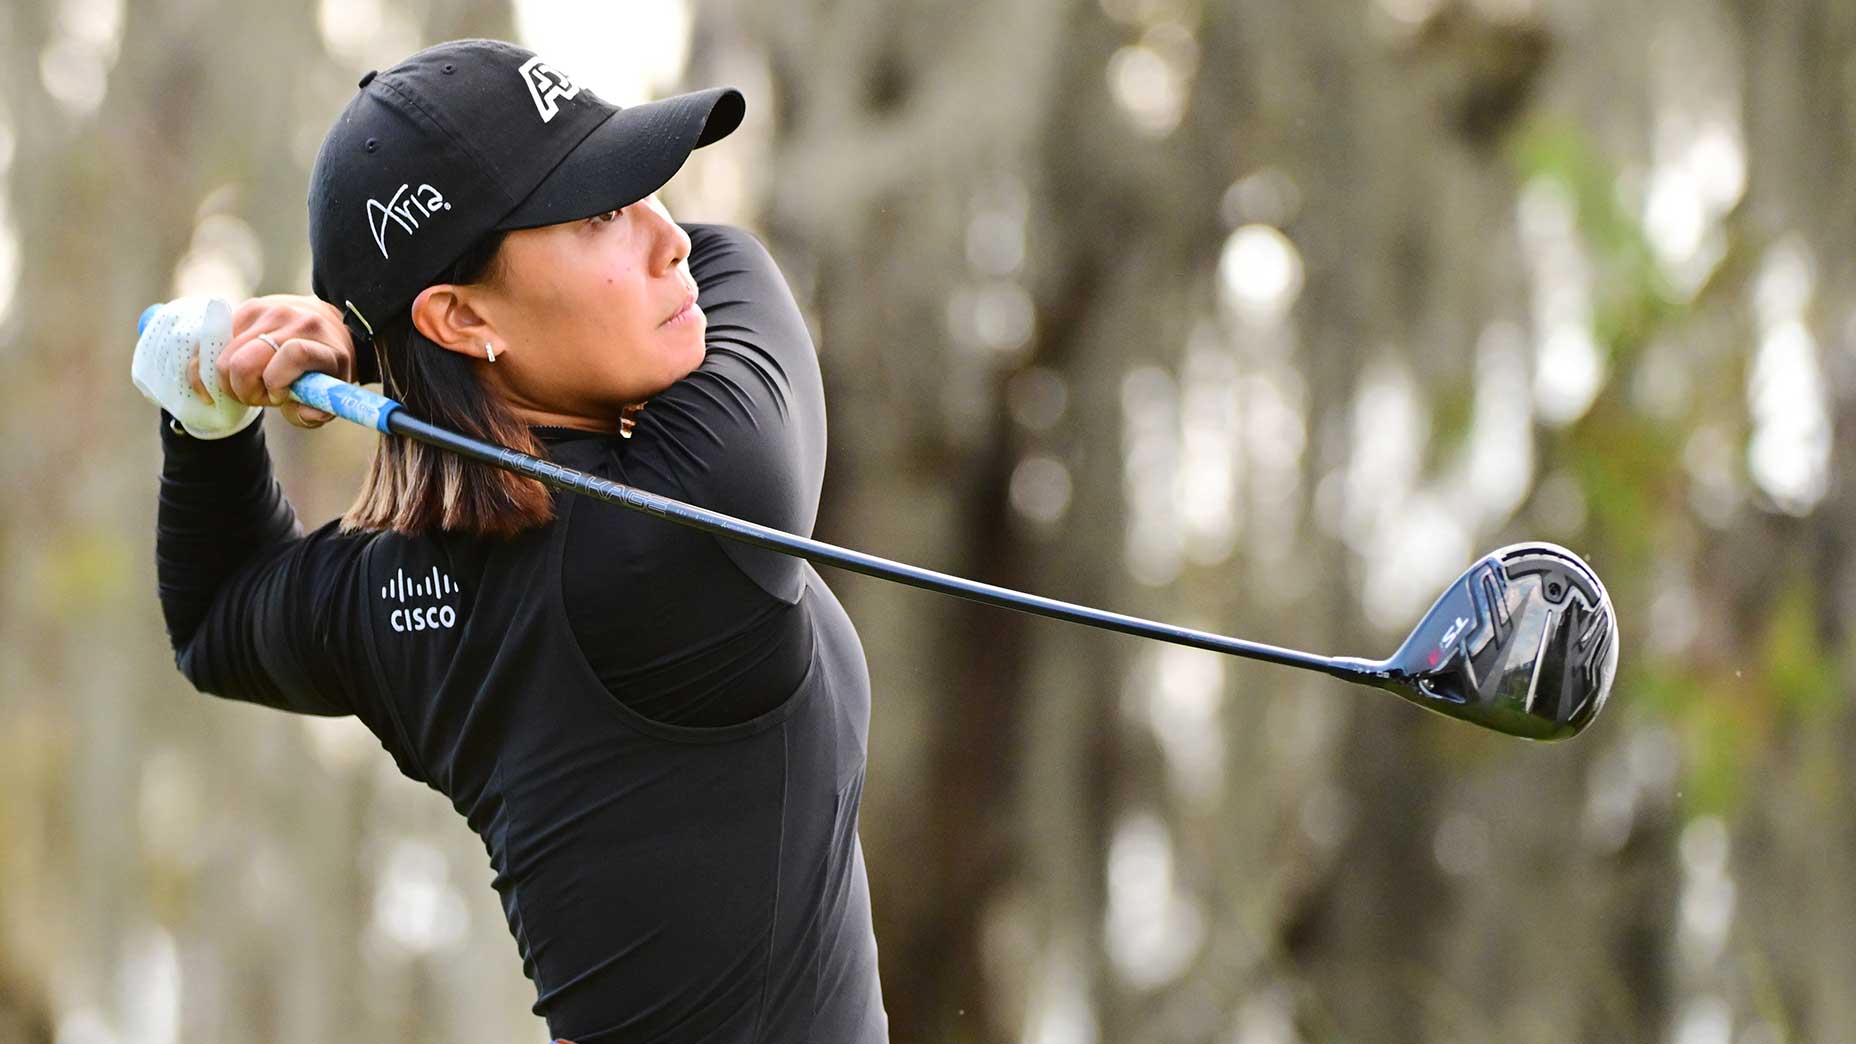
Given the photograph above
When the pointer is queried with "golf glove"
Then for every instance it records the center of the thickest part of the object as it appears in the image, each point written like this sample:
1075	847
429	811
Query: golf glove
159	370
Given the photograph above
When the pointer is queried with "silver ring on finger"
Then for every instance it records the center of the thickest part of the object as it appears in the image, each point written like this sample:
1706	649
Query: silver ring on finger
266	338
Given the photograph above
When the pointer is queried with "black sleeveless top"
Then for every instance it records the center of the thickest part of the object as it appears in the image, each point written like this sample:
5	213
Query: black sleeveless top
663	881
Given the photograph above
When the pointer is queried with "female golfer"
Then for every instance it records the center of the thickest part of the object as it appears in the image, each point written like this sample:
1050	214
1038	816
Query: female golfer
660	736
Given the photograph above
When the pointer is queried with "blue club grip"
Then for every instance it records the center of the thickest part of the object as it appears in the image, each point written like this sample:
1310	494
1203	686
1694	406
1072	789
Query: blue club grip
347	401
350	402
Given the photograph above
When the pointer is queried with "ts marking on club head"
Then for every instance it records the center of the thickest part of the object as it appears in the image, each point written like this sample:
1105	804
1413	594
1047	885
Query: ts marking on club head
1450	636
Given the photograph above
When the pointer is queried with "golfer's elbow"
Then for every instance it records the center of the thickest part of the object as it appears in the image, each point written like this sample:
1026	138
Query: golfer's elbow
195	666
236	669
212	673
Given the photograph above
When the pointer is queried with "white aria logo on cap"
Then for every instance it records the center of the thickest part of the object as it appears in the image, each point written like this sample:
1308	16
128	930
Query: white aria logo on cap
403	210
547	87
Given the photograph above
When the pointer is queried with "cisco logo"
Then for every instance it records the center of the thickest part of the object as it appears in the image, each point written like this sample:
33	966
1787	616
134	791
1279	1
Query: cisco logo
404	587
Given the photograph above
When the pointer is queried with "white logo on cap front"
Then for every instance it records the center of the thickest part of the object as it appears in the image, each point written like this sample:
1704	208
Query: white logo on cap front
403	210
547	87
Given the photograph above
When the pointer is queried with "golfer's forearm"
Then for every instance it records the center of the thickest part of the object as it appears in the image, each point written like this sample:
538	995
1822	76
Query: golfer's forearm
219	507
753	315
747	296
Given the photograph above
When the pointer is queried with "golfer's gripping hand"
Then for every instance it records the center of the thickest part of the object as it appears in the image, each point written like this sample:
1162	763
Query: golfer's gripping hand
310	337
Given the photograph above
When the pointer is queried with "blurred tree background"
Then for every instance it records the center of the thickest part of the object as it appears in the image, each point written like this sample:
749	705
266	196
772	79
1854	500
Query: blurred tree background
1254	316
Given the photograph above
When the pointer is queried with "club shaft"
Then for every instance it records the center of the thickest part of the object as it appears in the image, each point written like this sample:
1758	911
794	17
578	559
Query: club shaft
554	475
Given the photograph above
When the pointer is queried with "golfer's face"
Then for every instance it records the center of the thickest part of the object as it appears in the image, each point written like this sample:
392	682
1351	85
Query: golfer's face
593	310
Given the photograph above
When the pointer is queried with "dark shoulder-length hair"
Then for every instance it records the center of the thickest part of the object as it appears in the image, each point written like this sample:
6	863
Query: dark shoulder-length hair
411	487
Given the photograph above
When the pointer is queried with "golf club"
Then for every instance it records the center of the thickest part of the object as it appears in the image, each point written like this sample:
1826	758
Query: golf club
1524	643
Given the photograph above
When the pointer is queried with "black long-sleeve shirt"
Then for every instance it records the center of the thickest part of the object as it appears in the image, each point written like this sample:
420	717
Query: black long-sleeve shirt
659	735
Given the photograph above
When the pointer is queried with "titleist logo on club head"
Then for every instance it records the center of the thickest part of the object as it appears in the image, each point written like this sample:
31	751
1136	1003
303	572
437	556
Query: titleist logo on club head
407	208
548	87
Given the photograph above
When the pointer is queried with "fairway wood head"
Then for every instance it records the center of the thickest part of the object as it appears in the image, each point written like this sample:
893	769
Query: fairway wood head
1525	643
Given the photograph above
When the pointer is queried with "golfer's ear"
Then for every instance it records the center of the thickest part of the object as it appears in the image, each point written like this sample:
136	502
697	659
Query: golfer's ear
444	313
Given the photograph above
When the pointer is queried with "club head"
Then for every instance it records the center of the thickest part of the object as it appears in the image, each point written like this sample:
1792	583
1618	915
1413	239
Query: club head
1525	643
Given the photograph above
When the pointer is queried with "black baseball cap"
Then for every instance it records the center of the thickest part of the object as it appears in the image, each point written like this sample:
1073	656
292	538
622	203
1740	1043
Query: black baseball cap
474	136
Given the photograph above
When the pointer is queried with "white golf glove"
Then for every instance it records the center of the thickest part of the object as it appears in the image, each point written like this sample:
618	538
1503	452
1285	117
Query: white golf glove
159	370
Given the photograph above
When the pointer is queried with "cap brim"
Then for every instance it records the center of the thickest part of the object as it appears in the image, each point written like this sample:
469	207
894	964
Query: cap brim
628	157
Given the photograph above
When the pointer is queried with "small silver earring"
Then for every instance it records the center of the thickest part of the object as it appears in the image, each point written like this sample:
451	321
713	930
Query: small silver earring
489	350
